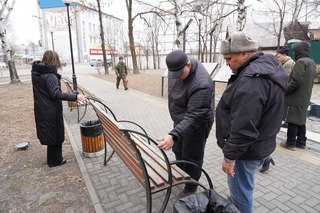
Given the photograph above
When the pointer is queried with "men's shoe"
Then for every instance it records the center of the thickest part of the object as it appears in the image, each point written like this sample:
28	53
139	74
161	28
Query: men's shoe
125	88
288	146
284	125
64	161
301	146
186	192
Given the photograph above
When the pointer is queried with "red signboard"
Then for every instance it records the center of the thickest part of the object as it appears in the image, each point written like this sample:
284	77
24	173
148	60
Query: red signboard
99	52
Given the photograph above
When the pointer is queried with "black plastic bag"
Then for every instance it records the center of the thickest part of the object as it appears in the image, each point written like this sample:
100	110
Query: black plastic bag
208	201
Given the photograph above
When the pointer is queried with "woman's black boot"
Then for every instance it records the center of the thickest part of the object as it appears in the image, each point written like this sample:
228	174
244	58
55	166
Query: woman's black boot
266	164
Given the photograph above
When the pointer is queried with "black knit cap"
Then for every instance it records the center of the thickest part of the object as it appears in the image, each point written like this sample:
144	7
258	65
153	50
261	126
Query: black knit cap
284	51
176	61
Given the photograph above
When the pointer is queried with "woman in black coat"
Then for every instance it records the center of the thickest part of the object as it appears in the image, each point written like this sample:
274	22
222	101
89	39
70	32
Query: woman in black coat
48	105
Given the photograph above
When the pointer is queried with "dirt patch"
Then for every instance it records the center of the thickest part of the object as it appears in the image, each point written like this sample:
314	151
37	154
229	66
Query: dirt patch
27	184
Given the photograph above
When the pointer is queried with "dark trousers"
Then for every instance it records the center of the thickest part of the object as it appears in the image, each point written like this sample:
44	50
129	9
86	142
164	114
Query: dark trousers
54	154
296	134
285	112
121	77
191	148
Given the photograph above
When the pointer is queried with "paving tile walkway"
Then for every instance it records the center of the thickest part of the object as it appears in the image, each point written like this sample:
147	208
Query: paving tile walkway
292	185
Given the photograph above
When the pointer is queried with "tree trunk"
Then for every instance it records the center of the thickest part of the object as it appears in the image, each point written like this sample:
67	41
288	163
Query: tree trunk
103	46
131	39
179	38
8	53
242	15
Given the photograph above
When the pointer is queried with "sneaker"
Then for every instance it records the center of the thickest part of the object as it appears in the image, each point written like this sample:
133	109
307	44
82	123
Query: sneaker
288	146
301	146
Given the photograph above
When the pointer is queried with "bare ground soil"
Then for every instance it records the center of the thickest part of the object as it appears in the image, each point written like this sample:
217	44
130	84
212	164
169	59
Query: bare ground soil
27	184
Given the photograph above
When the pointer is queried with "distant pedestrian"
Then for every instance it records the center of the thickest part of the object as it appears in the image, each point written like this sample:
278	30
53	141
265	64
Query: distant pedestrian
121	72
298	94
191	96
248	116
48	105
285	59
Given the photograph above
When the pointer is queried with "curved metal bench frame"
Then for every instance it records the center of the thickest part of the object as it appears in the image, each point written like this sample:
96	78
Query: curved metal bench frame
144	137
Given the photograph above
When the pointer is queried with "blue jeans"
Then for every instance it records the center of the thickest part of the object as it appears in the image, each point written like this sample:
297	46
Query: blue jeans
242	184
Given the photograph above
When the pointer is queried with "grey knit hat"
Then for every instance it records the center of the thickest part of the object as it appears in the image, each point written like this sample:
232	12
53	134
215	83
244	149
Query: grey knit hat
238	42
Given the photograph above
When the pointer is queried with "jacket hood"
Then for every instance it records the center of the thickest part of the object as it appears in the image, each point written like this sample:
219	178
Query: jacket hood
267	66
301	49
40	68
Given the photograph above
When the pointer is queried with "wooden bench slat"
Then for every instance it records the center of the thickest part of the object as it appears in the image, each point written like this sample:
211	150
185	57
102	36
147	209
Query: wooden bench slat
177	173
117	141
140	157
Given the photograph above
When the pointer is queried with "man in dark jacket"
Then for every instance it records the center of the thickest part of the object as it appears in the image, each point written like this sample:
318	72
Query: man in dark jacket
191	97
248	115
298	94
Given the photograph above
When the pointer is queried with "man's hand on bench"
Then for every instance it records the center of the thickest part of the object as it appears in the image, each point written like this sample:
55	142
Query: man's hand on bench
166	142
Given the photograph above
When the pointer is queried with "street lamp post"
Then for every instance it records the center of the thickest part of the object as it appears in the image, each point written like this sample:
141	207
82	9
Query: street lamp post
52	40
184	34
74	77
211	33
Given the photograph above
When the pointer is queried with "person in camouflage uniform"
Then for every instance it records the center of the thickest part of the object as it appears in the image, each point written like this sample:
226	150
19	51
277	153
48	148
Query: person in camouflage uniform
121	72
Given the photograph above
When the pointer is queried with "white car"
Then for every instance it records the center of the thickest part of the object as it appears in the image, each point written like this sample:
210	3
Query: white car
3	65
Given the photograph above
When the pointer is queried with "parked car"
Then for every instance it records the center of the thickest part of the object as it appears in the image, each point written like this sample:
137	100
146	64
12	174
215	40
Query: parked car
96	62
99	62
3	65
109	61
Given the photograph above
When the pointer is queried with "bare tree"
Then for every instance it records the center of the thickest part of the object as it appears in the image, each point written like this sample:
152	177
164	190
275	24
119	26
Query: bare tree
103	46
242	15
282	10
131	38
5	10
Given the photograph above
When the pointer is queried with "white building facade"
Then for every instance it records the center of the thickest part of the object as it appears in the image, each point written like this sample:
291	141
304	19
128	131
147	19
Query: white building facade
85	32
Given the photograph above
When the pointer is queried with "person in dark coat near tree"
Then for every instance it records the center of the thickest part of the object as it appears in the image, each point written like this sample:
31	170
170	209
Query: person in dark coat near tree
191	96
298	94
48	105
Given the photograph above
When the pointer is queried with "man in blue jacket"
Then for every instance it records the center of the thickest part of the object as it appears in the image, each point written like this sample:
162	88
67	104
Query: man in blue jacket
191	96
248	115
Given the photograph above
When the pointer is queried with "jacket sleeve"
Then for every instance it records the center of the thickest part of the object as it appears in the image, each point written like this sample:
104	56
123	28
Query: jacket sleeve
55	90
199	107
296	77
246	109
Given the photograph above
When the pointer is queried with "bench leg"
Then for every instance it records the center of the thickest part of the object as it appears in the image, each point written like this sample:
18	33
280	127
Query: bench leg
84	113
106	160
149	201
166	199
